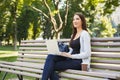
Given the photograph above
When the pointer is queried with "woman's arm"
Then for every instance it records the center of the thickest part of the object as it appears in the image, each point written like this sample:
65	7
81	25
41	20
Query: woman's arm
85	50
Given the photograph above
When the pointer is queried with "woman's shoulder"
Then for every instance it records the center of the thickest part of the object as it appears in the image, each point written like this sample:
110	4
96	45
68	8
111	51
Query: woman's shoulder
84	32
85	35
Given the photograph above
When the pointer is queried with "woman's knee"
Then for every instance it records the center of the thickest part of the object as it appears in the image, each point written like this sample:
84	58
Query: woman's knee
55	57
50	56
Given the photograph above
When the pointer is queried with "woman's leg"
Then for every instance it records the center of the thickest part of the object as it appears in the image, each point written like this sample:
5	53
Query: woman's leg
54	76
68	64
50	65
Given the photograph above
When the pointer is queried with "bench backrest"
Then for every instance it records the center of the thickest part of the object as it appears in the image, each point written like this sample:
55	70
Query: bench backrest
105	52
34	51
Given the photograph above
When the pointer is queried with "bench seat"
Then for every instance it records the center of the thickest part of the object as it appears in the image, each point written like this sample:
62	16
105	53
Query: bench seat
105	61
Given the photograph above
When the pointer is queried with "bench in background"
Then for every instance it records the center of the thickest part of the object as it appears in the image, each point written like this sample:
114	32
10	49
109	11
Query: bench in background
105	61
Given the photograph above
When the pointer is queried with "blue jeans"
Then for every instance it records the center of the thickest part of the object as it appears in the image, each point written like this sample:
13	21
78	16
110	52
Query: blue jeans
56	63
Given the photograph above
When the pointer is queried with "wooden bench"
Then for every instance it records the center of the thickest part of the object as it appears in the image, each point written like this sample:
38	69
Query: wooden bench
105	61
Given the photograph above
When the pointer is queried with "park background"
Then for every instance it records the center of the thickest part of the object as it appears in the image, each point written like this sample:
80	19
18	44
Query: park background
48	19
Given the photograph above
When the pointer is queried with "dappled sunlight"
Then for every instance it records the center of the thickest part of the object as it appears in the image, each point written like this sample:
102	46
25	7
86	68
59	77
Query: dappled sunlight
8	53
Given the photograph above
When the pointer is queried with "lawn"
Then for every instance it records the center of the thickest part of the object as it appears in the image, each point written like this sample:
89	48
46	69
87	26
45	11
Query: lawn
7	53
7	48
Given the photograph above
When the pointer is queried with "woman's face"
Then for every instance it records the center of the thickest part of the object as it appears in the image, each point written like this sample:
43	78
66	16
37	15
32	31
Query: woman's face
77	21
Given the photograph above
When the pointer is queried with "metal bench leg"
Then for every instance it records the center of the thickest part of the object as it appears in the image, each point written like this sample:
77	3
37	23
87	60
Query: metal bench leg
37	79
20	77
112	79
118	78
3	78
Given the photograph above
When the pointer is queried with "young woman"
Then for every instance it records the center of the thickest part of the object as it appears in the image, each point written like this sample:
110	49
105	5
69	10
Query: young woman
81	51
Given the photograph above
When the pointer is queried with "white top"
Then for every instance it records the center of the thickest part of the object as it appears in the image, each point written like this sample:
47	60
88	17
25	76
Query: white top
85	48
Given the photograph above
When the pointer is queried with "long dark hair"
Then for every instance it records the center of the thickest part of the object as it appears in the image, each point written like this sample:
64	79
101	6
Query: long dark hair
84	26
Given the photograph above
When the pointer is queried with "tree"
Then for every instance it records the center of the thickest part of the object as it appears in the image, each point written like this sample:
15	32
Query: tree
93	11
13	10
103	28
96	9
118	30
54	15
4	19
51	17
28	22
90	8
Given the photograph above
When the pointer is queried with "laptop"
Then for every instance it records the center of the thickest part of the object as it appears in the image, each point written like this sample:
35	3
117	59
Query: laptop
52	46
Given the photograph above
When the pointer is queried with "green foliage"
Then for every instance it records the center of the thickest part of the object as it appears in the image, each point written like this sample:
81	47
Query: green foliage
30	31
110	6
29	23
103	28
10	59
73	7
118	30
108	30
4	18
93	11
28	2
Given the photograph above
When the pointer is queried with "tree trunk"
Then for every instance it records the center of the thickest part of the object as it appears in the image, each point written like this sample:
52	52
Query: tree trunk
15	35
0	43
57	35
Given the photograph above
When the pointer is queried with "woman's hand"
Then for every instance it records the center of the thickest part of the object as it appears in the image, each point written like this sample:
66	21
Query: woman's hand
65	54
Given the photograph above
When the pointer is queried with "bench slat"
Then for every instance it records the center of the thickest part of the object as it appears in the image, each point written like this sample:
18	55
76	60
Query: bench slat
73	76
24	64
33	48
30	56
105	66
33	41
103	74
31	60
106	55
35	44
106	71
116	44
21	73
34	52
106	49
105	61
105	39
20	68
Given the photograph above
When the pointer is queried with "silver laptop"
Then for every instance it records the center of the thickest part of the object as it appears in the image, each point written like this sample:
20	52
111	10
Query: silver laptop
52	46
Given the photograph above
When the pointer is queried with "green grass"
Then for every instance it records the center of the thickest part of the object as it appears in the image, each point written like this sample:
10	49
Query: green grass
7	48
7	53
14	77
9	59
